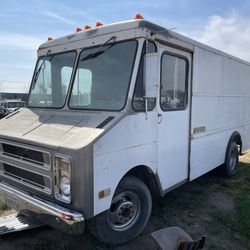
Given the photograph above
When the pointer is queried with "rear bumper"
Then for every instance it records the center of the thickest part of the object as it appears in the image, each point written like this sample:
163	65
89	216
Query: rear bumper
66	220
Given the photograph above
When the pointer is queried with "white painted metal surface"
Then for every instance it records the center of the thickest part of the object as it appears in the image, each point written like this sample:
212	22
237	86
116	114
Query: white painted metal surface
56	128
125	146
220	104
173	137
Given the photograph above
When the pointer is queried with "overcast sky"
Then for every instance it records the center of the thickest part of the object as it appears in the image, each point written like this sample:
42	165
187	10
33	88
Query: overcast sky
224	24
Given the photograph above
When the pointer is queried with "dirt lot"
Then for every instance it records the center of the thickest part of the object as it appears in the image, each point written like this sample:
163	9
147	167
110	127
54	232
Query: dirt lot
212	206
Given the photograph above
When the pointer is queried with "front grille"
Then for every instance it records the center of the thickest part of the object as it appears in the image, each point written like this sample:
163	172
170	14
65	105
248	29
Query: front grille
23	174
27	178
26	154
23	153
26	165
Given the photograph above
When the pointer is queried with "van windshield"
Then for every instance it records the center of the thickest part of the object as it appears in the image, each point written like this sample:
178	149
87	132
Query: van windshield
103	76
51	80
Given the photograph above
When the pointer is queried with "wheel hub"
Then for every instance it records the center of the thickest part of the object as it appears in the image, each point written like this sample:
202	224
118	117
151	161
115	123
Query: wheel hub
124	211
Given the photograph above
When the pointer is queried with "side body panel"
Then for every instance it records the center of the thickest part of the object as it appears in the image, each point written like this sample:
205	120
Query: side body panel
131	143
220	106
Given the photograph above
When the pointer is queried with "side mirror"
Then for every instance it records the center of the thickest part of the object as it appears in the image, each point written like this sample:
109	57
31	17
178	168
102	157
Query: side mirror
151	75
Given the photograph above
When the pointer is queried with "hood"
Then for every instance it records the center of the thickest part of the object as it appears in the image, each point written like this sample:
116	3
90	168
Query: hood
54	129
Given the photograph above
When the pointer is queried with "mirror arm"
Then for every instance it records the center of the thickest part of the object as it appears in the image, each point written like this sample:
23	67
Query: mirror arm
146	107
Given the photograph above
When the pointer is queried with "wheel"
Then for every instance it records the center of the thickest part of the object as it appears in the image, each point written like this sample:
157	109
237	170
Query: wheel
230	167
128	214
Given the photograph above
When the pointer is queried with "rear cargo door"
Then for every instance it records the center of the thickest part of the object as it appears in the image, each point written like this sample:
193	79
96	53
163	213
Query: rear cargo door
174	117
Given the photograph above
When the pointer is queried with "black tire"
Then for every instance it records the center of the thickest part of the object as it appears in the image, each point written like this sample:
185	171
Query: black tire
110	226
230	167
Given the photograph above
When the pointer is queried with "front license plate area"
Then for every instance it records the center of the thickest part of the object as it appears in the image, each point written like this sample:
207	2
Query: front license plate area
12	202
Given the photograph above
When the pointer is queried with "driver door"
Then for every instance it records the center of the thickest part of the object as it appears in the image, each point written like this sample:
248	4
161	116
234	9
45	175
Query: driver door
174	117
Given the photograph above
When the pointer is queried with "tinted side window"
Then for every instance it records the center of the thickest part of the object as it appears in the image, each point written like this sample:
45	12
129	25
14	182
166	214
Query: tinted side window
173	83
138	99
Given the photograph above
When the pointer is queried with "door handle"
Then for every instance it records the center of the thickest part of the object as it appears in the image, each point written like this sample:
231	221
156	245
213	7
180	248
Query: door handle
159	118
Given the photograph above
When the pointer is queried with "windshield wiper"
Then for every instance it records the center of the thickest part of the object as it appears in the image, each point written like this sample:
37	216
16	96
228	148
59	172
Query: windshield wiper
97	52
40	68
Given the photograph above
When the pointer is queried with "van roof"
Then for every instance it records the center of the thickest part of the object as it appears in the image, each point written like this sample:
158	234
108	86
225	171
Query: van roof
132	25
95	31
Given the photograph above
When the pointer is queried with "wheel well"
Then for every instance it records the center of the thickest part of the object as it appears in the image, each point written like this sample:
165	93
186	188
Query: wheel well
237	138
145	174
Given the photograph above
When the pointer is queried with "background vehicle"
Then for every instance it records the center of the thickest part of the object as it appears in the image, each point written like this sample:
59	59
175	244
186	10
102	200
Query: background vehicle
9	106
116	114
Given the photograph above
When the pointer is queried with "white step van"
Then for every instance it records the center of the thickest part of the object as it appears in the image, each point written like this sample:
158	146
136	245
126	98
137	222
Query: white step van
118	113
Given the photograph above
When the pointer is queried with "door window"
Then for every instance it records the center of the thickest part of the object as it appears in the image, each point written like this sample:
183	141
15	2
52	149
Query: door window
174	81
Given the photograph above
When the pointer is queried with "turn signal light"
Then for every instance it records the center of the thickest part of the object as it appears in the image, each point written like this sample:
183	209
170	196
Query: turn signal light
98	24
138	16
66	216
78	29
87	27
50	38
104	193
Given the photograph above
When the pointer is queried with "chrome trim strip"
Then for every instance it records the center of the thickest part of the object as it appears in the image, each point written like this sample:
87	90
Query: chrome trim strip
38	206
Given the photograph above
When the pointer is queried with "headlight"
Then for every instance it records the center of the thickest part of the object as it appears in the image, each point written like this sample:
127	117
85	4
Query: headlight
62	167
65	185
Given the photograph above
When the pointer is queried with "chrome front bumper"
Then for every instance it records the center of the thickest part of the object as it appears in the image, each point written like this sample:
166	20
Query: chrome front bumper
56	216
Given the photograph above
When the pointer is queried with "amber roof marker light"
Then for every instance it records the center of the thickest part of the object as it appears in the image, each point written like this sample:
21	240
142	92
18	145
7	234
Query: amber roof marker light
138	16
87	27
99	24
78	29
